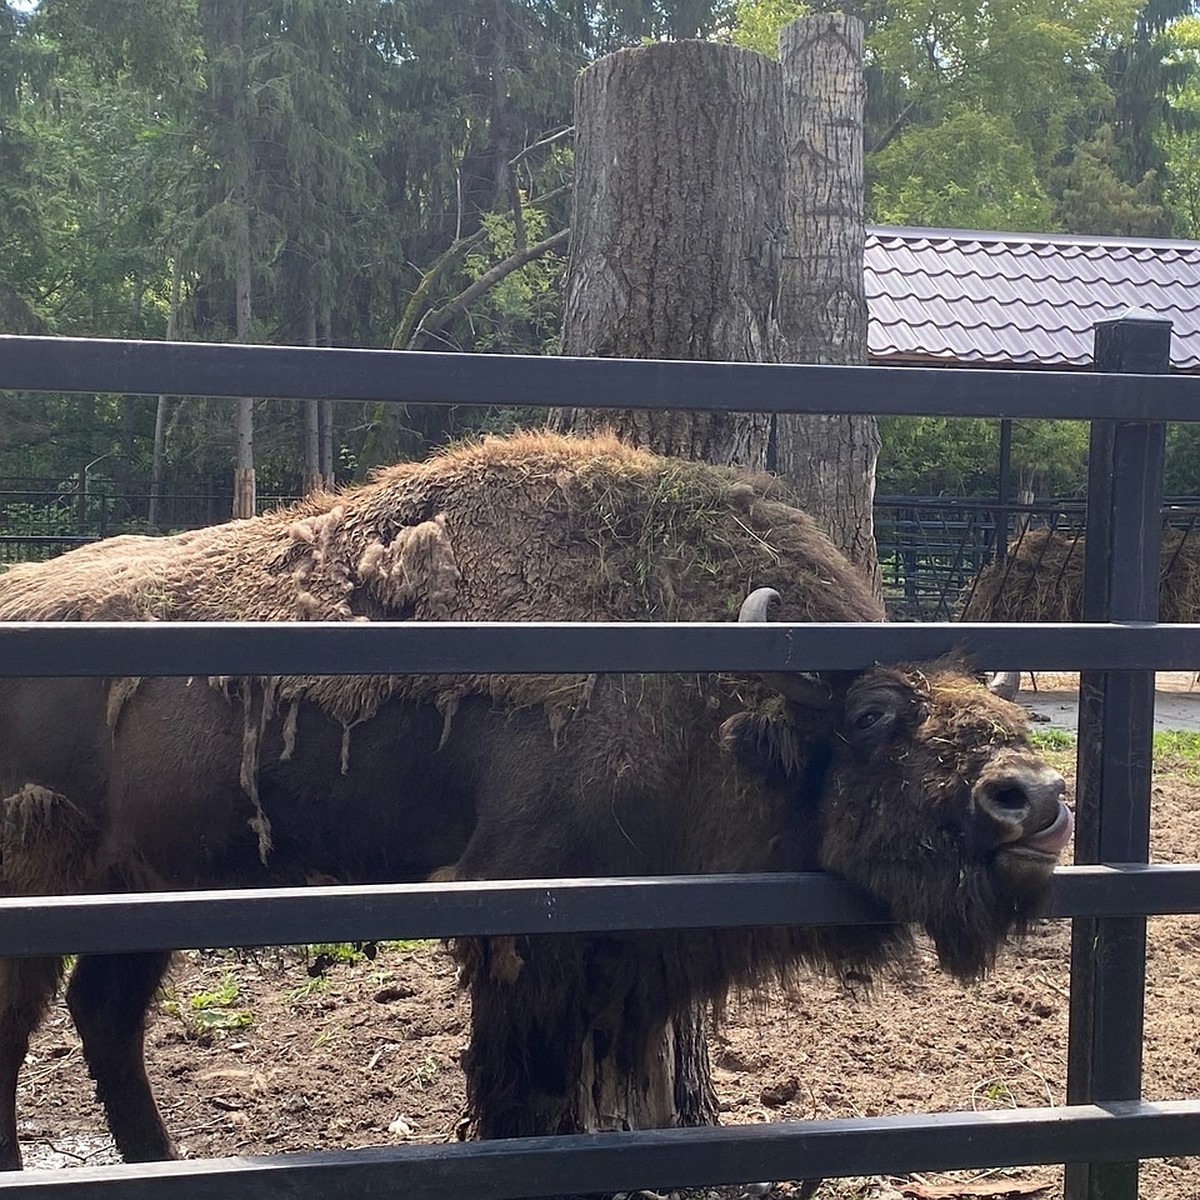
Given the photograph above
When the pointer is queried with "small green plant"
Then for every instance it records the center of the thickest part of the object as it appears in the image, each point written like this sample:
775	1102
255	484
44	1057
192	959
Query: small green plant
1052	739
314	985
994	1091
327	1035
208	1012
423	1073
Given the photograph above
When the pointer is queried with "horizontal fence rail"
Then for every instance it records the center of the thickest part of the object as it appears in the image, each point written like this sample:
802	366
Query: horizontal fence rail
1119	1130
526	1168
124	923
188	648
504	380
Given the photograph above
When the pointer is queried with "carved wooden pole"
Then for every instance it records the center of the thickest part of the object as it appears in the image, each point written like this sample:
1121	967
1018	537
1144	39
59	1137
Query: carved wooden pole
828	461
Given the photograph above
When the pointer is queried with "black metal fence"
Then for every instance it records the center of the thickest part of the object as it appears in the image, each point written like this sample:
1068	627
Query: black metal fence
1106	1126
40	518
932	549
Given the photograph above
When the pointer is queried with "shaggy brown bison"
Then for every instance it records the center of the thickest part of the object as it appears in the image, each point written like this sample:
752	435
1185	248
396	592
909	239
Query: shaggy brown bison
911	781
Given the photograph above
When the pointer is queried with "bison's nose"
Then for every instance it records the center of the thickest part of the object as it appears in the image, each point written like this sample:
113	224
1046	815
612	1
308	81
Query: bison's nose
1022	800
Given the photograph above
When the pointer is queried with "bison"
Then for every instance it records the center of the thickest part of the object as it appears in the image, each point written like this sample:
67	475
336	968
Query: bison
912	781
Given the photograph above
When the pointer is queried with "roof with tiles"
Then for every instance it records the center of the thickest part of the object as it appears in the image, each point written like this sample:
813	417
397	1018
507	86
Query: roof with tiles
959	297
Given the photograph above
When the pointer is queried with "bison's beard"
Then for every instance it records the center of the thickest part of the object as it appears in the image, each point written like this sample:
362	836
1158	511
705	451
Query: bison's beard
968	908
975	918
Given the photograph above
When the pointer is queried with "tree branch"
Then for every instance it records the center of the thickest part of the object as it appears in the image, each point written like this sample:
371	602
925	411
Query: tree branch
409	318
435	322
893	129
548	140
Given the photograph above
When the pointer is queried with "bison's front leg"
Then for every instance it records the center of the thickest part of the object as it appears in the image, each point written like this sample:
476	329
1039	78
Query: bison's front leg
27	985
108	996
575	1035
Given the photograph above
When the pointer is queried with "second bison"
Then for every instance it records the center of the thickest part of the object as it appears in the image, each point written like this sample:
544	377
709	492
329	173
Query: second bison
911	781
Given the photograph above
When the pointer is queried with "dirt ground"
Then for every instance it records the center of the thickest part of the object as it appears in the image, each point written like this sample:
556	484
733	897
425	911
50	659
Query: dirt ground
251	1055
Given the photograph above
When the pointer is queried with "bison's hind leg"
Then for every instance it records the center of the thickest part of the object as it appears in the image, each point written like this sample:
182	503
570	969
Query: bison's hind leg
108	996
27	985
46	843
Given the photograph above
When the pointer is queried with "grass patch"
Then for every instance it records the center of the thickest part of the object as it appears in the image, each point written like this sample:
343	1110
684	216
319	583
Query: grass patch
1178	750
1174	749
1052	739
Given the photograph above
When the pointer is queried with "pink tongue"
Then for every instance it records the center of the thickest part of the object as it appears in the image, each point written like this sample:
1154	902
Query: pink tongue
1053	838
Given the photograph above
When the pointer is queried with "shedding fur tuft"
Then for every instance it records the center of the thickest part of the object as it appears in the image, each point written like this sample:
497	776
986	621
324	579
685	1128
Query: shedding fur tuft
46	842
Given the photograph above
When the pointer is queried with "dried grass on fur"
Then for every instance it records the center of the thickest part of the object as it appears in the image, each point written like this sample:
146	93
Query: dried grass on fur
530	527
1042	580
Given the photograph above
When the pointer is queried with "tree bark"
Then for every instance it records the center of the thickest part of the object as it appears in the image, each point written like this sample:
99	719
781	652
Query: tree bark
325	409
829	461
675	234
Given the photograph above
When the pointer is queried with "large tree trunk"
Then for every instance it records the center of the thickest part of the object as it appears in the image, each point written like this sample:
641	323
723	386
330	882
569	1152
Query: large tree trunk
674	254
325	338
674	238
828	460
245	499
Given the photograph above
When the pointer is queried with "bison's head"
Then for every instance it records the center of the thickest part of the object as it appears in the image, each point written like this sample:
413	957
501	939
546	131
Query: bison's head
926	792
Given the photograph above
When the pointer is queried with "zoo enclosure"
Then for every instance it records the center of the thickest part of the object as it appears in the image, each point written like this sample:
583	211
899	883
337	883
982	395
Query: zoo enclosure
1105	1128
933	548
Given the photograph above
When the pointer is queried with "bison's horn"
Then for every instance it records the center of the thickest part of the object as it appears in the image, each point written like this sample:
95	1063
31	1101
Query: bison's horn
758	604
809	690
1005	684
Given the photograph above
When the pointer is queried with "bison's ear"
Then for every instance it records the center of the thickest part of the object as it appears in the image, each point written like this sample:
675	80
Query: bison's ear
770	746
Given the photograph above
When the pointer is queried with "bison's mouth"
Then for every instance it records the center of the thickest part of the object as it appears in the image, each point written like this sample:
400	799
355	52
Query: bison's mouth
1047	843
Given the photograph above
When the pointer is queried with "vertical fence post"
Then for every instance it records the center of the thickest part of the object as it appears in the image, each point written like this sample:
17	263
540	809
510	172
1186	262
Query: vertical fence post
1003	489
1116	726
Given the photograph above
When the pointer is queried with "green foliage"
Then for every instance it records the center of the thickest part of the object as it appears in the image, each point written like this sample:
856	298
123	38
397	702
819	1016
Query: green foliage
522	311
1029	114
944	456
1177	750
1179	138
347	147
1052	739
968	172
1183	460
1144	77
1094	197
756	23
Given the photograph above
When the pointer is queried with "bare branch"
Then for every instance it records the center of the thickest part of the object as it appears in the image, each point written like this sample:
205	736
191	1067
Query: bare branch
435	322
889	135
548	140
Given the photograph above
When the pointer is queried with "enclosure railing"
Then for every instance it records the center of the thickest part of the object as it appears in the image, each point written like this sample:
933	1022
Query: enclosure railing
932	549
1106	1126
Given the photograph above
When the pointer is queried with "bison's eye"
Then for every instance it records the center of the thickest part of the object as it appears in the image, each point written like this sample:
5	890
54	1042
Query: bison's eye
866	720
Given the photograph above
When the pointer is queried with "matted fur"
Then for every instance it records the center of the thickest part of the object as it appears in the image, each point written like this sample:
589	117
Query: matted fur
530	527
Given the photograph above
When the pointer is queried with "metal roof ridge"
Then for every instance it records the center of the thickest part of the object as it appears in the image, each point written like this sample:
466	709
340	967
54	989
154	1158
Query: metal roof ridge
916	232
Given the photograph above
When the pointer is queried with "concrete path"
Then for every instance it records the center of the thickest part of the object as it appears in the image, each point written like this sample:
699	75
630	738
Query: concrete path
1055	705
